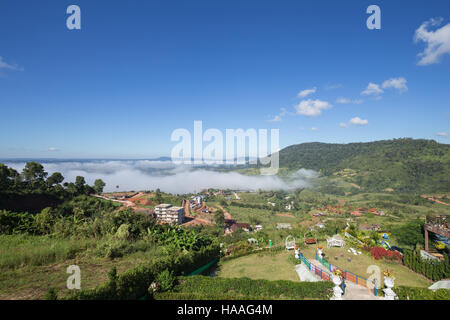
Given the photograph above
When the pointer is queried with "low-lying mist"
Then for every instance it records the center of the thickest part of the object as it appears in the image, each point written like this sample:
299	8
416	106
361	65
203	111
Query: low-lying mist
178	179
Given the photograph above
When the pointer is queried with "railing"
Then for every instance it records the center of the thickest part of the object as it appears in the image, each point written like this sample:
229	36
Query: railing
350	276
317	271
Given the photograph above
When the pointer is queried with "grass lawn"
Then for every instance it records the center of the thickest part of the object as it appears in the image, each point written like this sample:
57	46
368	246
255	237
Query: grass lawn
359	264
32	282
30	265
260	266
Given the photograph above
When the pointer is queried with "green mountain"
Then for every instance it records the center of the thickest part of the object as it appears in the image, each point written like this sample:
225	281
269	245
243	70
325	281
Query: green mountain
405	165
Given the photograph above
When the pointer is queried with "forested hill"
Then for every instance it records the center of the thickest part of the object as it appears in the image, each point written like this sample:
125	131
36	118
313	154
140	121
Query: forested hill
405	165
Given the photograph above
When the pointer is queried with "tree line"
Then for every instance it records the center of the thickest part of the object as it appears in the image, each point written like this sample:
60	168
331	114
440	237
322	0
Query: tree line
34	179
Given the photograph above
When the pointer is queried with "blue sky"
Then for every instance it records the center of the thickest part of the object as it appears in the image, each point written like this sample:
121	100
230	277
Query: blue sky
137	70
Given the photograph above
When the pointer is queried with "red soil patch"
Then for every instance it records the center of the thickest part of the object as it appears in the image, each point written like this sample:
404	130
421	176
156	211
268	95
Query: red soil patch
145	202
196	222
136	197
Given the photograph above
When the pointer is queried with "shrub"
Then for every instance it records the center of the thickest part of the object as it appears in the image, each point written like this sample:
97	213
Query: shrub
123	232
196	287
166	280
133	284
12	222
51	294
411	293
434	270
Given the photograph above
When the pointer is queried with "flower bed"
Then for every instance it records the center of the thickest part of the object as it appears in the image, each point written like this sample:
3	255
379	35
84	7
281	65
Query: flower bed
381	253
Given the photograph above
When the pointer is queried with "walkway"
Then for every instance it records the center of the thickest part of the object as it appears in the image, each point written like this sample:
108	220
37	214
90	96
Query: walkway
352	290
357	292
304	274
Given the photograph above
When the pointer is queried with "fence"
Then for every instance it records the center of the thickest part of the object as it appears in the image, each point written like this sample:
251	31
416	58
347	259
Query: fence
203	268
317	271
348	276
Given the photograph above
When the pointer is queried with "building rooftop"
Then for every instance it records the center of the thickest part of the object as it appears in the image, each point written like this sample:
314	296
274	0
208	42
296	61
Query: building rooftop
163	205
176	208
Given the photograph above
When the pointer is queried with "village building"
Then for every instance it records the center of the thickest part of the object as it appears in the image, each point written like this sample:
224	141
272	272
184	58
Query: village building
169	214
229	222
365	227
284	226
244	226
198	198
376	227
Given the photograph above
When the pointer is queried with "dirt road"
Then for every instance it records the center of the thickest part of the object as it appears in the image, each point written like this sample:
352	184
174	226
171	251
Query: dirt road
124	202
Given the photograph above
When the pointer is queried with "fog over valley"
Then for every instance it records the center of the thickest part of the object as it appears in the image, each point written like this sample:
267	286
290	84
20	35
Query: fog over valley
171	178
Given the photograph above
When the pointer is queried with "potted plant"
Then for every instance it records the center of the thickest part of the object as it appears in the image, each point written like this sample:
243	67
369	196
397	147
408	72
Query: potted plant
388	278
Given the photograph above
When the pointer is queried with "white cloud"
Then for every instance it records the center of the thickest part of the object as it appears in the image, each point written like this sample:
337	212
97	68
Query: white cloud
53	149
306	92
437	41
278	118
348	101
372	89
358	121
312	108
396	83
314	129
354	121
442	134
275	119
343	100
7	66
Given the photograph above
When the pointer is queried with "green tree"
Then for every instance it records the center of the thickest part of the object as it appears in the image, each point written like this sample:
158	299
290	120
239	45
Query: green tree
34	174
8	177
99	185
410	233
80	184
71	188
158	196
55	178
219	218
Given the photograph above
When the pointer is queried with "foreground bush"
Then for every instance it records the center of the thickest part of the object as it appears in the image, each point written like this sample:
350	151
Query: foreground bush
26	250
134	284
411	293
202	287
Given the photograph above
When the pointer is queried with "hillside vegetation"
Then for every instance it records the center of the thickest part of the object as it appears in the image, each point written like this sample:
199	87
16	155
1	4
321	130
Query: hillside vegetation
404	165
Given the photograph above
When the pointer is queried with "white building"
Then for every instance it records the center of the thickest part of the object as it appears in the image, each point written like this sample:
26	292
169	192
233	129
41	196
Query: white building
167	213
198	198
284	226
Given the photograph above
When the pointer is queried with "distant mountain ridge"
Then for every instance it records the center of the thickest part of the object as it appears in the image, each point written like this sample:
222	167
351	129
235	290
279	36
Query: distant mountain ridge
405	165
